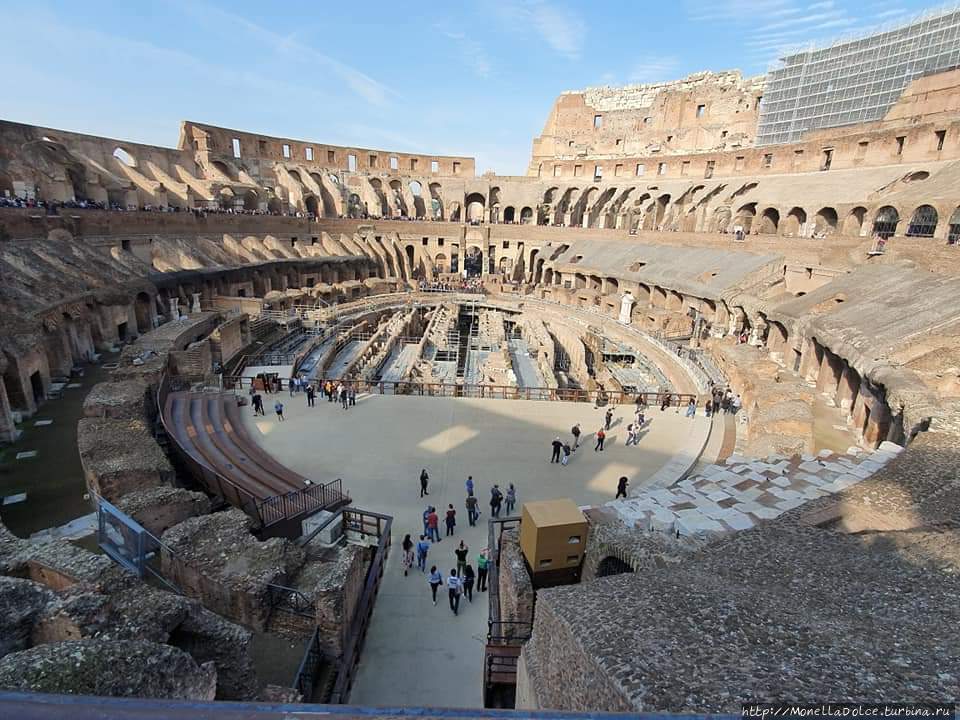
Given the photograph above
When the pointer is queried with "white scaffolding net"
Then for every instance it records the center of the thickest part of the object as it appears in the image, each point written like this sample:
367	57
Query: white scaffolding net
855	81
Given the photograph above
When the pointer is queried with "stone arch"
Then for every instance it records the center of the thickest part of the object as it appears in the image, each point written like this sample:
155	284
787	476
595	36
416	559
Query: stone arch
564	205
416	190
509	214
474	204
225	169
436	201
885	221
578	214
226	198
124	157
769	221
381	197
853	223
526	216
399	202
745	217
312	205
825	221
250	200
473	261
274	205
923	223
794	222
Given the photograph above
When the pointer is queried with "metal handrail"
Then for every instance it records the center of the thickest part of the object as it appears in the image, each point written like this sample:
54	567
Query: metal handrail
361	619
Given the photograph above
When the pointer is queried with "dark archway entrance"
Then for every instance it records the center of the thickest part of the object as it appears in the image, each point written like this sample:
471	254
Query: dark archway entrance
473	262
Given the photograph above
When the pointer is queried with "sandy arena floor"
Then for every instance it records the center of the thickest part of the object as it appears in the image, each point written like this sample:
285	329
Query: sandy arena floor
415	653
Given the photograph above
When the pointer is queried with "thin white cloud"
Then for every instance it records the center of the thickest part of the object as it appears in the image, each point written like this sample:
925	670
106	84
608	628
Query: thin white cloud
471	51
559	27
653	68
357	81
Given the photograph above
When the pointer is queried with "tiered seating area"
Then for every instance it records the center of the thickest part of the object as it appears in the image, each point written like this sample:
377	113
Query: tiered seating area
207	429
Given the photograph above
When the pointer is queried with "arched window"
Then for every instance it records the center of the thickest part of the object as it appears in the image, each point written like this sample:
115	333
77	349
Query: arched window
924	222
885	222
124	157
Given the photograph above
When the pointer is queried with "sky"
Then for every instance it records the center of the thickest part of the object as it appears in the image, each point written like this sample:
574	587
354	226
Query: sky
474	79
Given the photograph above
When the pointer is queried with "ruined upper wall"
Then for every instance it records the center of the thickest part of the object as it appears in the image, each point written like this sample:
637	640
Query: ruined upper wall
704	111
217	141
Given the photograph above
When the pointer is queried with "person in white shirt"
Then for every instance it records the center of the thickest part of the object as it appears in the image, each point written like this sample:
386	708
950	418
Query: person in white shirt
454	585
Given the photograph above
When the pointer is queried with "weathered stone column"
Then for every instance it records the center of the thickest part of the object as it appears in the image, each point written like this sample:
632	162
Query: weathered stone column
626	307
195	307
174	308
829	376
848	388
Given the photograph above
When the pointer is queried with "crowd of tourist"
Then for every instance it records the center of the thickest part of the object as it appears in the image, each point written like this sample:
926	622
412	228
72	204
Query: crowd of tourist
470	285
461	578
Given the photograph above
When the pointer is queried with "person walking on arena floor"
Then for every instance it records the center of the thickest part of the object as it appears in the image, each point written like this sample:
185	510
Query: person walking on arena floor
566	454
472	512
278	408
454	585
691	408
468	577
432	523
423	547
557	447
424	479
622	487
511	499
311	395
575	431
496	497
469	485
482	571
435	580
601	436
608	418
407	546
352	395
461	552
450	519
258	405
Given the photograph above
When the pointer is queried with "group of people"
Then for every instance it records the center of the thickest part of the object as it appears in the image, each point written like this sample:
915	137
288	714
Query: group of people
561	450
722	400
343	393
473	284
460	581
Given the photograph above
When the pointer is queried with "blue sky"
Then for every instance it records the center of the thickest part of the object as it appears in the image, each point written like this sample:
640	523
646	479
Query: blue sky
411	77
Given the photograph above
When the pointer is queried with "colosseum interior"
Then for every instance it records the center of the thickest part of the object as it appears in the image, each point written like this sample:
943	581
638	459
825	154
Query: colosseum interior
784	316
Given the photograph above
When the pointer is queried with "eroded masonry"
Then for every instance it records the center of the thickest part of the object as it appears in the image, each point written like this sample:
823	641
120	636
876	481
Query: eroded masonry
660	248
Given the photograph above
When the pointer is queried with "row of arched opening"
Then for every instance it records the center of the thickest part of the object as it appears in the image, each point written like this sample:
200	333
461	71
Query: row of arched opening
923	221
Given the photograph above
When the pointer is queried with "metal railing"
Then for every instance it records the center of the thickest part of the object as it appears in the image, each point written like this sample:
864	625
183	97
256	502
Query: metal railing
313	657
372	524
510	392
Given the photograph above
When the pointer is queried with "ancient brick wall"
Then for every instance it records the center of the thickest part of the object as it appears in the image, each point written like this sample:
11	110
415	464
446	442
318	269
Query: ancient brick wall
517	595
337	596
558	674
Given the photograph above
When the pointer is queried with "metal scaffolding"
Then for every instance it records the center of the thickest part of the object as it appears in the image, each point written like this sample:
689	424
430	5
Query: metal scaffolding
855	81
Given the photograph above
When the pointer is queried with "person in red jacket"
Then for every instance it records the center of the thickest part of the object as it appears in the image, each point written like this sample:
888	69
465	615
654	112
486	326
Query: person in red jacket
432	521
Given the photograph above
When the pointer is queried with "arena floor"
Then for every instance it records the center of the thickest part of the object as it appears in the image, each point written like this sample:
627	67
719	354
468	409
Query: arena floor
415	653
